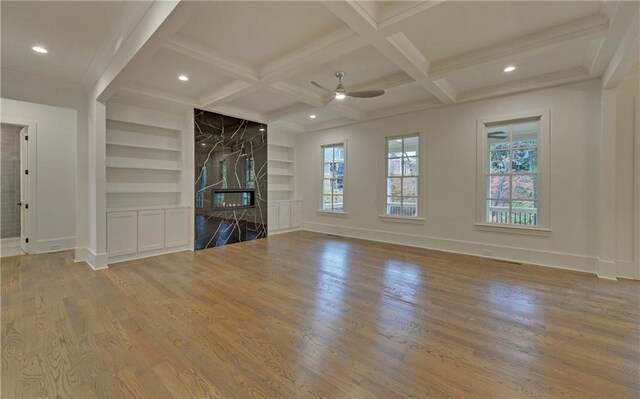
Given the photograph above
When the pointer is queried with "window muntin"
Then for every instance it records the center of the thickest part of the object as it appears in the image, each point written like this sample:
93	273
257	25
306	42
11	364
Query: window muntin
333	178
512	173
402	173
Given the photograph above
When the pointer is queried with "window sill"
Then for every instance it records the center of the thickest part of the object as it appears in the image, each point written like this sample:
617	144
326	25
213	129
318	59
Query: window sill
402	219
331	213
531	231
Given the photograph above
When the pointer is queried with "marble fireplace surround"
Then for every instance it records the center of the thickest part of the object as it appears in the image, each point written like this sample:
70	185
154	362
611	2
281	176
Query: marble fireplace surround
231	161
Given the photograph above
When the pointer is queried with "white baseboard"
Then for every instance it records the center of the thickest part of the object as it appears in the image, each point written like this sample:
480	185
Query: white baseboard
95	261
626	269
140	255
581	263
52	245
10	247
282	231
607	269
10	243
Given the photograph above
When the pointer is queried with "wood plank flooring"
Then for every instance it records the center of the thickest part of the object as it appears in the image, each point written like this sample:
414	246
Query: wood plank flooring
309	315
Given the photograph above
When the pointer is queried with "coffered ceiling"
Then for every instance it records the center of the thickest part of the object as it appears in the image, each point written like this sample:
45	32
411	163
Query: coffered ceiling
256	59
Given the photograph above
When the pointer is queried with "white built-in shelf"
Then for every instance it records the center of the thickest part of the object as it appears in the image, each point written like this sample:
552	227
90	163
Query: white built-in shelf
147	147
280	160
280	174
143	188
281	171
133	163
146	208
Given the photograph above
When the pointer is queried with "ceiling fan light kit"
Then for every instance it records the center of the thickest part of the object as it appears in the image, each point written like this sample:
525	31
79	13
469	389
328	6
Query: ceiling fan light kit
340	92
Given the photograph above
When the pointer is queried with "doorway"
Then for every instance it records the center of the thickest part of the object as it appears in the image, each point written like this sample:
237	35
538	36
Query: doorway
14	188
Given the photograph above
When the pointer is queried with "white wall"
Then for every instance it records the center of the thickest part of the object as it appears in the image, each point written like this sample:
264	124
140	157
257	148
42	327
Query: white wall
449	172
30	88
55	174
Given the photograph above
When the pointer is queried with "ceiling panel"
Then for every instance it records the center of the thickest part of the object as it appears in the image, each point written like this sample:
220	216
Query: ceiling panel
562	58
161	72
259	32
71	31
458	27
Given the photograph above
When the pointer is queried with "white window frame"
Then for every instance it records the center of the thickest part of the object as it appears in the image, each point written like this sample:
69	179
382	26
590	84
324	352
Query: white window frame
321	210
544	151
418	218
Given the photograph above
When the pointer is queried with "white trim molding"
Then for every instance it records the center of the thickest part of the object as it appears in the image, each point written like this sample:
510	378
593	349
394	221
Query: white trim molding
544	150
558	260
95	261
334	143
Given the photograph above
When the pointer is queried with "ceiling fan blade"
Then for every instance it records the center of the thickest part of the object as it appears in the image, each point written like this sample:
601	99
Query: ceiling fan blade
319	86
365	93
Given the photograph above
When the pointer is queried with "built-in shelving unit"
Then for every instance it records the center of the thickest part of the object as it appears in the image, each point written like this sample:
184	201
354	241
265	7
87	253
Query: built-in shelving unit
144	165
281	172
149	197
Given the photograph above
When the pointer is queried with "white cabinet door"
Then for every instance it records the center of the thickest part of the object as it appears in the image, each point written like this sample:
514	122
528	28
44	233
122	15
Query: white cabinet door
176	230
284	215
272	216
150	230
296	213
122	233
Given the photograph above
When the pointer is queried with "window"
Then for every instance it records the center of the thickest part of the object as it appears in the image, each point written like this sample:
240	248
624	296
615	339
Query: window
402	176
513	166
333	178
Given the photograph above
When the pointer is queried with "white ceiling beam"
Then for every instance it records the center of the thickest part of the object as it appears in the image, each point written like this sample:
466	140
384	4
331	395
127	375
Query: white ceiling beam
581	30
162	96
171	98
396	15
538	82
162	19
390	82
221	62
290	112
298	93
227	93
626	55
620	15
397	49
327	48
128	18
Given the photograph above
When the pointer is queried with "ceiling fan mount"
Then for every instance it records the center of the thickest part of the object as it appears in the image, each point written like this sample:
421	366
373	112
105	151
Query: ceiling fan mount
340	92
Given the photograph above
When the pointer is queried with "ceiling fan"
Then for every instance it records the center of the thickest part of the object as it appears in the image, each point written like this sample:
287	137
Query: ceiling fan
497	135
340	92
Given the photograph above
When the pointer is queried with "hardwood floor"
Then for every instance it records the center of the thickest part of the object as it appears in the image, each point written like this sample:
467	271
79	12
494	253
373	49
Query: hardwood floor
310	315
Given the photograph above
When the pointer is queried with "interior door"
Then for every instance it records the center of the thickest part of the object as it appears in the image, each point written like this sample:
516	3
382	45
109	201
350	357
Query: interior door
24	190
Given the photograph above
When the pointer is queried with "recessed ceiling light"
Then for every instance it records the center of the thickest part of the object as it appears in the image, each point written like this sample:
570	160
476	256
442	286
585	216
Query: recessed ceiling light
183	78
39	49
312	116
510	68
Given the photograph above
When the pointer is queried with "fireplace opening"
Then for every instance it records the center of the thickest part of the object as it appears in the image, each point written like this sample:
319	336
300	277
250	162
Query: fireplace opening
229	199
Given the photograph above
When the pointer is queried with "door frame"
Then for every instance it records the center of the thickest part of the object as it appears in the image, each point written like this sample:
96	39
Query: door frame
32	133
636	173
